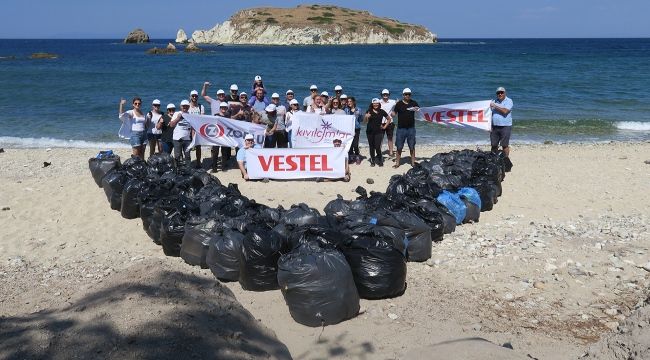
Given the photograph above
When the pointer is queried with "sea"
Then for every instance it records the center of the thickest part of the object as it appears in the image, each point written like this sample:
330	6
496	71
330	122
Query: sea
564	90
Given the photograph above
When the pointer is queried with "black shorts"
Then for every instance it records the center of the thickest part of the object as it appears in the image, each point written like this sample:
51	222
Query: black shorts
389	131
500	135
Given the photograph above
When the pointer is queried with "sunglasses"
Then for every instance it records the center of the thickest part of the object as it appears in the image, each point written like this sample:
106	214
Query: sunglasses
314	90
338	90
195	96
156	105
249	140
137	103
407	94
385	94
290	94
500	92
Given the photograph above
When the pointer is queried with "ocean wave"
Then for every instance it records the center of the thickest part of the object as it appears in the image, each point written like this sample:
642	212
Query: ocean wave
633	125
18	142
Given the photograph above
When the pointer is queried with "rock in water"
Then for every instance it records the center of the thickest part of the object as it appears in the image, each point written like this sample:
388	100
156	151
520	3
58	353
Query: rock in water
192	48
42	55
171	47
181	37
137	36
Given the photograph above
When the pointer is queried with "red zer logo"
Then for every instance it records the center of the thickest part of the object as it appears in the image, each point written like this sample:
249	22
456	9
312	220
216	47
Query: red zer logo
211	130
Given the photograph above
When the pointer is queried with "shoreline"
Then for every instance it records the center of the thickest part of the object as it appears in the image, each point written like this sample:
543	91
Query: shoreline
555	265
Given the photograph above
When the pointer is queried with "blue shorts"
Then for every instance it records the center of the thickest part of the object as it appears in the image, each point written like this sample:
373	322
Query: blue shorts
153	137
405	134
137	138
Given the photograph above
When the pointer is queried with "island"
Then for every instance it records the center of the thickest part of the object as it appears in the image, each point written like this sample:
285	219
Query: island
312	25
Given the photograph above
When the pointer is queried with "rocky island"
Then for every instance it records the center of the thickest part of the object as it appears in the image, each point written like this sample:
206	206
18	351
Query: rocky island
312	25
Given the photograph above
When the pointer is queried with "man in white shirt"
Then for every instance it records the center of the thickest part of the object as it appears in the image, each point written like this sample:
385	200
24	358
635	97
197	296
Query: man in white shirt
388	105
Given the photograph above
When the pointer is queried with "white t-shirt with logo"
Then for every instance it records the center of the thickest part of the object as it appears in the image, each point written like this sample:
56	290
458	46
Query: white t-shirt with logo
387	106
182	129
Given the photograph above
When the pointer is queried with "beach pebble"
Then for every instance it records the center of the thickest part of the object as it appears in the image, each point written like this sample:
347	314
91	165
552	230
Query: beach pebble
392	316
370	181
539	285
645	162
611	311
6	208
509	297
2	150
477	327
612	325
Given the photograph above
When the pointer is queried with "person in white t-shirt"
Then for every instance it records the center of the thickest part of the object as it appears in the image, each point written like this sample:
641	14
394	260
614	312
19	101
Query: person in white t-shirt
182	134
215	104
388	105
153	134
134	125
196	109
294	107
309	100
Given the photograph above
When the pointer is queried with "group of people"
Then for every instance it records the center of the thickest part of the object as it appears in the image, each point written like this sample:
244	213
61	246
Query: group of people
384	117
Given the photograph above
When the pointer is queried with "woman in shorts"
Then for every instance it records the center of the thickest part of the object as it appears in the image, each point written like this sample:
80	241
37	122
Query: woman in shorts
134	125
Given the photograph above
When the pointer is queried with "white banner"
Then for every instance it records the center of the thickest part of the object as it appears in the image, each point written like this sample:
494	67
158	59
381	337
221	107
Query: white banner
296	163
220	131
314	130
476	114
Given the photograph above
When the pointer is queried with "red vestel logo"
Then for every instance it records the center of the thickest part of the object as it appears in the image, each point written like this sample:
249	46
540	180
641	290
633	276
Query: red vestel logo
211	130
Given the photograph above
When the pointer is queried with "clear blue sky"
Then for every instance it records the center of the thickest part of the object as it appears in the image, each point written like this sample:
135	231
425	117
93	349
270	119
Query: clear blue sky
449	19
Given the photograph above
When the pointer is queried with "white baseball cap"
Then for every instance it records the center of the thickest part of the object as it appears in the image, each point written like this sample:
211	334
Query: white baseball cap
375	101
289	92
385	91
501	88
258	78
275	95
270	108
249	137
220	91
313	87
325	93
343	96
234	87
406	91
171	106
294	101
194	92
223	104
338	87
155	102
243	93
185	103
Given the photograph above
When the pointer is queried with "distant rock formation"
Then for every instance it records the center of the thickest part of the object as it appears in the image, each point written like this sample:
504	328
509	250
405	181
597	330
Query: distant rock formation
312	24
42	55
181	37
170	49
137	36
191	47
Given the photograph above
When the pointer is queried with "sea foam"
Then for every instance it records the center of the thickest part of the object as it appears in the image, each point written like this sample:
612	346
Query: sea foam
18	142
633	125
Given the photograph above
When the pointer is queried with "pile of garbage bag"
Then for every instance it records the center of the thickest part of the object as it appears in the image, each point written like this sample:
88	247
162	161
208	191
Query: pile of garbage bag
358	247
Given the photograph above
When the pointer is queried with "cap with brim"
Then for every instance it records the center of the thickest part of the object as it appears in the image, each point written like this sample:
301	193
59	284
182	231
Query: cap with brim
294	102
289	92
194	92
155	102
223	104
343	96
275	95
385	91
313	87
249	137
270	108
375	101
234	87
220	91
171	106
325	93
258	78
338	87
501	88
185	103
406	91
243	93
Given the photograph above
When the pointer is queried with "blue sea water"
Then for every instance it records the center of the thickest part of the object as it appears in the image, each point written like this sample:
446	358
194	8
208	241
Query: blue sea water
564	90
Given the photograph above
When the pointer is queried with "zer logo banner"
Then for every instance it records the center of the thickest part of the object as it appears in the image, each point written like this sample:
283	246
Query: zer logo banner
220	131
476	114
296	163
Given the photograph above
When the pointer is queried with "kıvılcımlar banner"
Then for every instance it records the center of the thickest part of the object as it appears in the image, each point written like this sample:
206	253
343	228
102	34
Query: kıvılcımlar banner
476	114
314	130
220	131
296	163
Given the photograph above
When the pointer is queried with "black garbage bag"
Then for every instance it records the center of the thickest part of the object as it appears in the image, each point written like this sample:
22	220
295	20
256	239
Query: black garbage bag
319	234
161	163
113	184
130	208
317	285
433	216
100	166
258	268
473	212
300	214
417	232
135	168
338	206
446	182
224	255
195	245
172	231
487	193
378	268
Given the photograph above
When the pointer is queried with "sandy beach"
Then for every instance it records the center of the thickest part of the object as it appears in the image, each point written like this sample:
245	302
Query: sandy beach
562	260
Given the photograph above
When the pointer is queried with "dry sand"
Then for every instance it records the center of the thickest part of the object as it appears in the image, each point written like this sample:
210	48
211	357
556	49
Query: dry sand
561	261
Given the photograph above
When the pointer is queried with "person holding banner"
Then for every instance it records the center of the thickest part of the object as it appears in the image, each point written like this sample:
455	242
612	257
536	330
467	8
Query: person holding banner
501	121
167	137
270	119
249	143
280	135
337	144
294	107
198	109
374	130
388	104
309	100
352	109
225	150
405	110
214	103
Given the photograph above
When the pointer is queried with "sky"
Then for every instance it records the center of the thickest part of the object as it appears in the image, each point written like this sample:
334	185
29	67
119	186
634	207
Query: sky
449	19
